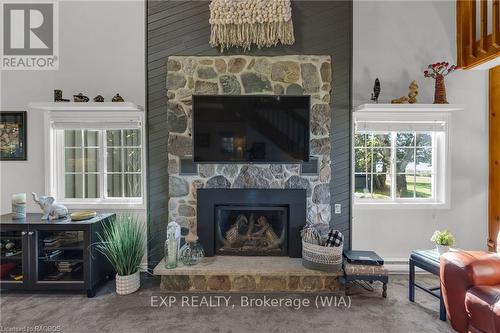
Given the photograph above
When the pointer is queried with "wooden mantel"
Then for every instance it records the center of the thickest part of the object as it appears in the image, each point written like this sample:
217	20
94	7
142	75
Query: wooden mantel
472	51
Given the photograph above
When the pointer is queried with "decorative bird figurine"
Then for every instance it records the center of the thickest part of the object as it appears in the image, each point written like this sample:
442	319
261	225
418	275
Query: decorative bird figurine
376	91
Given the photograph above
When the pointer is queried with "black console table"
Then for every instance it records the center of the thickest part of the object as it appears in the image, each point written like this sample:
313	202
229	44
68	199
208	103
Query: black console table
52	255
427	260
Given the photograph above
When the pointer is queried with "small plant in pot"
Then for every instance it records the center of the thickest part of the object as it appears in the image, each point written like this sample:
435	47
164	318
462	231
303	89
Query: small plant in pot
443	239
122	243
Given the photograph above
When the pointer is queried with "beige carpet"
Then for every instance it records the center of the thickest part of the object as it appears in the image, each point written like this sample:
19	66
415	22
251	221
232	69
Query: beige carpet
108	312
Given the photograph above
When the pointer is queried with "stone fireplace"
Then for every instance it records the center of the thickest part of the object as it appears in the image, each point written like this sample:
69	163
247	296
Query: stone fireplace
251	222
242	75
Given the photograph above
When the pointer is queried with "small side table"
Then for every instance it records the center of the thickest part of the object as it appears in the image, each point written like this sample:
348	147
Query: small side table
428	260
355	272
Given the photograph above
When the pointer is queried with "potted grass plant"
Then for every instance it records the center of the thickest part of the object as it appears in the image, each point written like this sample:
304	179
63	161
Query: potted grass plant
123	243
443	239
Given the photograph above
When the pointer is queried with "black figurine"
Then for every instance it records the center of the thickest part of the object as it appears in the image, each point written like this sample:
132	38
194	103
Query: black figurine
98	99
117	98
376	91
80	98
58	96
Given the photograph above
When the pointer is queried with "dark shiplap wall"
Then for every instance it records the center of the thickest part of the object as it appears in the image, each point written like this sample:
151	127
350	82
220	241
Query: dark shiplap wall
181	28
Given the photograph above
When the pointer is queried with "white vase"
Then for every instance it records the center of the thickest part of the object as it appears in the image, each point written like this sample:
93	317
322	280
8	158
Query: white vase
442	249
128	284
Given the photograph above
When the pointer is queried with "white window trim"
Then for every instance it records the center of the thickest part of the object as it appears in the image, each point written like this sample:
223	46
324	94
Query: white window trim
81	116
442	166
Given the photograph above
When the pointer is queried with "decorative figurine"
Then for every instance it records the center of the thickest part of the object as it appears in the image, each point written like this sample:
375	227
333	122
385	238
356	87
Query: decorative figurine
51	209
376	91
412	95
117	98
98	99
80	98
400	100
438	71
172	244
58	96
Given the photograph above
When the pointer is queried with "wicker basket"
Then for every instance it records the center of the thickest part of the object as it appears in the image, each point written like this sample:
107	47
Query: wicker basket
323	258
128	284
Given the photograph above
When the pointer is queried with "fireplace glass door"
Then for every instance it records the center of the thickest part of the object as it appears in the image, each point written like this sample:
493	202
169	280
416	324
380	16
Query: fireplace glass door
251	230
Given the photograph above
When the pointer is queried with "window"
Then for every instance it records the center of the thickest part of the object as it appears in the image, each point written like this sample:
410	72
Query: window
394	165
95	154
400	155
90	161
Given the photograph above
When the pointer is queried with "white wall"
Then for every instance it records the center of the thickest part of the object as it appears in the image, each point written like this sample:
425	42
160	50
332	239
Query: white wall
101	51
395	41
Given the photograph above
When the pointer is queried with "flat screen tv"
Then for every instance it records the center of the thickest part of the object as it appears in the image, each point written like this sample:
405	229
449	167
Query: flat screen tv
251	129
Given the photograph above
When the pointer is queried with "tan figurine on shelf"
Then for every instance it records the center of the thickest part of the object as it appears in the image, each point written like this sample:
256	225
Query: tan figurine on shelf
412	95
400	100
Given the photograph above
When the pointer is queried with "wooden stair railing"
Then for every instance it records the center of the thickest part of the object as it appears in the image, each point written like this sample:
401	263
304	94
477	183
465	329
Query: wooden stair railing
494	187
471	51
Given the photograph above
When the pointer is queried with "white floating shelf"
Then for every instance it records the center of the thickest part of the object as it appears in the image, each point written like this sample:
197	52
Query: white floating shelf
86	106
409	107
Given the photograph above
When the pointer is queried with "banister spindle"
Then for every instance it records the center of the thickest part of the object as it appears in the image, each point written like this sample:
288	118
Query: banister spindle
496	23
472	28
483	42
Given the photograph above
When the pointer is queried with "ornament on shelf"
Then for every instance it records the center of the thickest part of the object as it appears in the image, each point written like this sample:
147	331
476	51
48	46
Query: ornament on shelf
58	96
51	209
400	100
376	91
80	98
98	99
117	98
438	71
412	95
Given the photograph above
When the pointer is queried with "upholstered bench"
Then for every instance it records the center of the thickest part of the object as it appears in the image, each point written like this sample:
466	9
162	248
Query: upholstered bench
370	273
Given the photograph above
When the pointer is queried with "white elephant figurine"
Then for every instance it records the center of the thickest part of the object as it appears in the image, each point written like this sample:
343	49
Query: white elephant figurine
51	209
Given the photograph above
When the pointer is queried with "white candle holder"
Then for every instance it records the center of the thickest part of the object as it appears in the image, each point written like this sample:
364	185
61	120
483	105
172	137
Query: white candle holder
19	206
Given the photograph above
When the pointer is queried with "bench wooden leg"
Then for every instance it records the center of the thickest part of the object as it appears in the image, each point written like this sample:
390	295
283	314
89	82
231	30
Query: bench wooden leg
384	290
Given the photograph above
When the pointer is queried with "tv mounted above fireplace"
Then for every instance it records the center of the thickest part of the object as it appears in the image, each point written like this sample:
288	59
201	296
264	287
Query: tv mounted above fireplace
251	129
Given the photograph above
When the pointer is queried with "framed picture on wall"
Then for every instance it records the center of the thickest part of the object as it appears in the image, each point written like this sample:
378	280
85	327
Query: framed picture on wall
13	136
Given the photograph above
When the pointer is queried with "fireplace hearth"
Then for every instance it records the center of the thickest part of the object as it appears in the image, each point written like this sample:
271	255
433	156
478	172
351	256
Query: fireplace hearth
251	222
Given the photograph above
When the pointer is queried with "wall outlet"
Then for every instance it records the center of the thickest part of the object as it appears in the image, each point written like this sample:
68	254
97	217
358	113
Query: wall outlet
338	209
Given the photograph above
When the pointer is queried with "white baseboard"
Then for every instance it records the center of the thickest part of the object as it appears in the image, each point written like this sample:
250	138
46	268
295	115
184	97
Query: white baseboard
400	266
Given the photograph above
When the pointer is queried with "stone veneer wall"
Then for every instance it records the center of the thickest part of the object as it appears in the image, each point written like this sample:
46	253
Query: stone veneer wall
238	75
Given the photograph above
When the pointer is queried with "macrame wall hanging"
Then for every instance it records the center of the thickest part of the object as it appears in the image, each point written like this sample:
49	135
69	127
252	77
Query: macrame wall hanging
241	23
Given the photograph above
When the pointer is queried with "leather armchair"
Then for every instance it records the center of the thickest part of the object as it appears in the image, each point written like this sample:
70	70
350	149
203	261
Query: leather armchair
470	283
